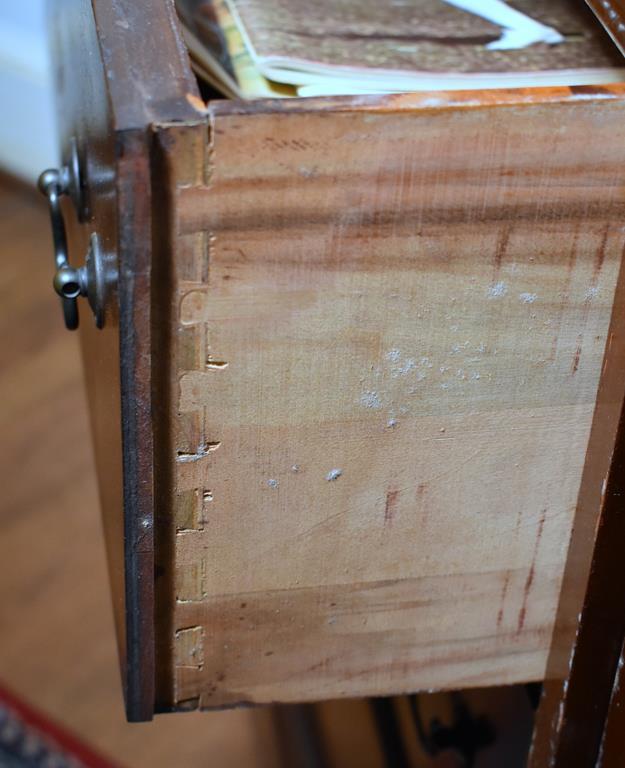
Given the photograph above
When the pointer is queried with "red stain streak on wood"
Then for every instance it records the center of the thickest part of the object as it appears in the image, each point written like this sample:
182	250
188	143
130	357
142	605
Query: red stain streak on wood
565	294
519	518
601	253
554	346
504	592
577	356
420	500
502	248
390	506
532	573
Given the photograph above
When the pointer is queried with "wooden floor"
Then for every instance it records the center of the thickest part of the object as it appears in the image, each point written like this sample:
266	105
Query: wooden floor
57	646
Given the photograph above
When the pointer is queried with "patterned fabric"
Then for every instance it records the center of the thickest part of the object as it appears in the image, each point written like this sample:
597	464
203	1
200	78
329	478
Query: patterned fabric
29	740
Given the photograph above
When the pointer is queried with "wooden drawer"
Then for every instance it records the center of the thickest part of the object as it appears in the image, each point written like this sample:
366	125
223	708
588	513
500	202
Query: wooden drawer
383	347
368	356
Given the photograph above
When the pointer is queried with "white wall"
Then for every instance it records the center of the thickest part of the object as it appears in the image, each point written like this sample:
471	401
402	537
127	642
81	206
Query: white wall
27	128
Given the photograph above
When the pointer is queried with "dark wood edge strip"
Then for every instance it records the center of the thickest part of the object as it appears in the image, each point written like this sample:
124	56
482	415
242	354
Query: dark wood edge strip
590	622
613	742
134	242
594	665
164	350
611	13
146	63
148	78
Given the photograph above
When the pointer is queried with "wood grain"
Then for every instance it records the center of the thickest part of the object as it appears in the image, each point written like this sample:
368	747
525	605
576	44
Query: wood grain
386	347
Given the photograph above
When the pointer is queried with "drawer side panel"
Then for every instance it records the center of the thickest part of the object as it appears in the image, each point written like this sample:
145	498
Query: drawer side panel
398	324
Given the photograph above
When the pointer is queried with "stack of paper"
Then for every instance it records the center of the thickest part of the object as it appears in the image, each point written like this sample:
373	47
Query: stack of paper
259	48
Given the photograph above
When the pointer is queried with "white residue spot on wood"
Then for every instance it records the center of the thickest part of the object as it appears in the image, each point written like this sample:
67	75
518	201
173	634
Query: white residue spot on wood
393	355
295	468
528	298
458	348
334	474
498	290
404	368
370	400
591	293
272	482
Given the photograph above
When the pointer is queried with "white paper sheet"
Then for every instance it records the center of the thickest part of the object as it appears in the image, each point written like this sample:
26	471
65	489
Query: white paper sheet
519	30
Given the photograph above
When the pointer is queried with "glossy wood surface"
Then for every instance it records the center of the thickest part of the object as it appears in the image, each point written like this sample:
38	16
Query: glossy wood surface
84	118
120	66
611	13
612	747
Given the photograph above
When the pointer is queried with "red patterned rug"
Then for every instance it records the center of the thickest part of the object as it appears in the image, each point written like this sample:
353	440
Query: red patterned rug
28	739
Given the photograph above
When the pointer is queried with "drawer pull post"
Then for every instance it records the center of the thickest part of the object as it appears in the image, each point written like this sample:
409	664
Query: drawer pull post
71	282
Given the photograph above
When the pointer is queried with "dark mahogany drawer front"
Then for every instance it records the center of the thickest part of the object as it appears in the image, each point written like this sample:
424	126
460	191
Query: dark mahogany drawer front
105	66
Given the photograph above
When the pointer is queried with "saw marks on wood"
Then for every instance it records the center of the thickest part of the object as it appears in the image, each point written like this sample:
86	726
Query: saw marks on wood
397	324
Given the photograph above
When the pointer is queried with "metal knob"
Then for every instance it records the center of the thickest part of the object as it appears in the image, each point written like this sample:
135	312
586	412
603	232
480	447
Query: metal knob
71	282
